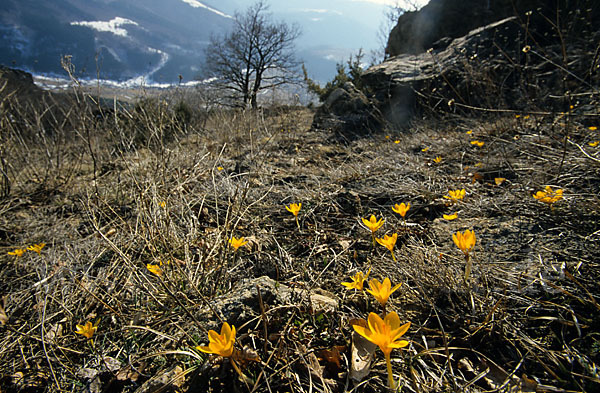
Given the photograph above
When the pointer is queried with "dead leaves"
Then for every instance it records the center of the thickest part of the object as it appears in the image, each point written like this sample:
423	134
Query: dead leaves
362	353
332	358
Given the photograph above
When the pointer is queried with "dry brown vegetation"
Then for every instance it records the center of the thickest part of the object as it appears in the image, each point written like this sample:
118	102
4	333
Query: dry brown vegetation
163	181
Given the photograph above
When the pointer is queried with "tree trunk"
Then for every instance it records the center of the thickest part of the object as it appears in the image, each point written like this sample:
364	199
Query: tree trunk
255	89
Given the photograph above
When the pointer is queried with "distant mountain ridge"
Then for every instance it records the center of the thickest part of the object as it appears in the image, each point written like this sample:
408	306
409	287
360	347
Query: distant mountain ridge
124	39
158	40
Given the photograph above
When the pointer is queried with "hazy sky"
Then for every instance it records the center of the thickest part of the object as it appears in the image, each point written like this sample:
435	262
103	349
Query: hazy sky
418	3
332	30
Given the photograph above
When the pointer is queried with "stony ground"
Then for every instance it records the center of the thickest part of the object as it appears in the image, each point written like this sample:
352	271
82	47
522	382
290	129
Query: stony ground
108	200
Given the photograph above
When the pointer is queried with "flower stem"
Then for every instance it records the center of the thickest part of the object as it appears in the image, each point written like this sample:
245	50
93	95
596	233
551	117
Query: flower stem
373	236
388	362
237	369
297	223
468	267
393	256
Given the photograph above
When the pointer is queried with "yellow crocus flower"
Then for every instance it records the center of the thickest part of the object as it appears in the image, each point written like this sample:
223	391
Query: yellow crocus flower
464	241
372	223
549	196
220	344
87	330
385	333
455	195
382	291
36	248
499	180
401	208
294	208
237	243
389	242
358	281
17	252
156	269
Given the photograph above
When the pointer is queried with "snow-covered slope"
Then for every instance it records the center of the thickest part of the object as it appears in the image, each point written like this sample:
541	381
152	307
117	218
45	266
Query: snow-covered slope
124	39
162	39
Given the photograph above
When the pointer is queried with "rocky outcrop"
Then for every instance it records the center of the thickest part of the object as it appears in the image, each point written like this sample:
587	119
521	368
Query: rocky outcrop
243	302
410	82
31	107
348	113
14	81
26	103
418	31
524	62
498	66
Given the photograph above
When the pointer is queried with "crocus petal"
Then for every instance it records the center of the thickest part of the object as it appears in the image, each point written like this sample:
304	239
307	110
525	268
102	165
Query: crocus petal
387	284
231	336
398	344
225	330
375	323
374	286
401	330
395	288
213	336
363	331
392	319
204	348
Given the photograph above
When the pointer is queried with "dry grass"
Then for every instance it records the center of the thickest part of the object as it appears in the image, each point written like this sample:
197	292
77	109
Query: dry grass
110	196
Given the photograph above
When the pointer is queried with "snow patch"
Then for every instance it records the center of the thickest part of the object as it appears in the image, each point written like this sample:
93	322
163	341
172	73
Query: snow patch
55	82
144	80
197	4
112	52
164	58
112	26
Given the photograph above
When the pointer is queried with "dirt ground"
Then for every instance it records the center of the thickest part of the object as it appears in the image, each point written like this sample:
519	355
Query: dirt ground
108	202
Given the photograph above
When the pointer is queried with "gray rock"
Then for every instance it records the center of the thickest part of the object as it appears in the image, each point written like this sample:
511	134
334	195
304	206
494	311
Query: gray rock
242	302
348	113
406	83
417	31
448	57
164	381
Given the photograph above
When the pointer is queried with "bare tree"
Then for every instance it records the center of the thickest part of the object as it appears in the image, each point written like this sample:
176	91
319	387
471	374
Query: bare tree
257	54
